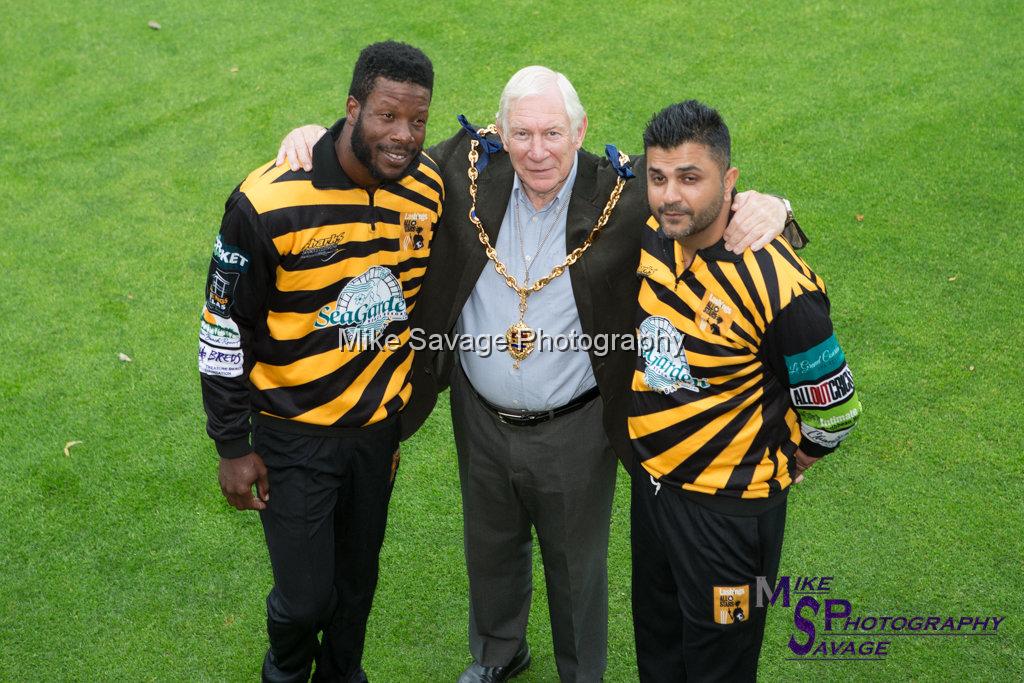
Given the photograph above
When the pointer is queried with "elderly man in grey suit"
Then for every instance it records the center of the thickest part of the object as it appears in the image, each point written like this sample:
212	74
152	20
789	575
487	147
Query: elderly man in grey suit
537	428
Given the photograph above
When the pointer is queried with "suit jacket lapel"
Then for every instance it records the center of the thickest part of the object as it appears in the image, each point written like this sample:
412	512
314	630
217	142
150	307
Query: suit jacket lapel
494	187
583	214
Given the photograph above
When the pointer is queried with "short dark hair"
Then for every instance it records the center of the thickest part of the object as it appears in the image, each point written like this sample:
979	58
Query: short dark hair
394	61
690	121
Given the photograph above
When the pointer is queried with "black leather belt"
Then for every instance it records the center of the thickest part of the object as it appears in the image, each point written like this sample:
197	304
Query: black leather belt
525	418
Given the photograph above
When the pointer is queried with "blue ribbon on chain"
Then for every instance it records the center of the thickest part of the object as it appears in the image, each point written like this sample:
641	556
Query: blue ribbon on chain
487	147
624	170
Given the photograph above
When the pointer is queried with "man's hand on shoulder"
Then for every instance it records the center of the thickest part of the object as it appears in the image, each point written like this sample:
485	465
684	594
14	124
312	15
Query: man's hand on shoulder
237	476
297	147
758	219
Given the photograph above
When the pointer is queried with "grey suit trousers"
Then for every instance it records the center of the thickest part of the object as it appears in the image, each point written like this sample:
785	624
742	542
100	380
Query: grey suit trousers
559	478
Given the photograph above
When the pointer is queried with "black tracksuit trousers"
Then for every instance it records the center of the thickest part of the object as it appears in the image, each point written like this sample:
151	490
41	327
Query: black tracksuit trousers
694	577
324	525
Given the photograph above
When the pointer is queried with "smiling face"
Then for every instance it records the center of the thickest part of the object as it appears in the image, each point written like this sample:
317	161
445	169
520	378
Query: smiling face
542	144
389	127
687	188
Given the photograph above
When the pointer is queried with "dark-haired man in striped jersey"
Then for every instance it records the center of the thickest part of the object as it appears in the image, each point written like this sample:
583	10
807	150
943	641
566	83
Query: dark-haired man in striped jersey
305	328
740	386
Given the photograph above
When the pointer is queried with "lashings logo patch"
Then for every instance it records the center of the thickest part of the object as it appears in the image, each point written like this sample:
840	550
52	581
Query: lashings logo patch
415	225
366	305
667	370
731	604
714	313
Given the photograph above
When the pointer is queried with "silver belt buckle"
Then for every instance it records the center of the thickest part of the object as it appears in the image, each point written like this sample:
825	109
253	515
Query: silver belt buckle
504	417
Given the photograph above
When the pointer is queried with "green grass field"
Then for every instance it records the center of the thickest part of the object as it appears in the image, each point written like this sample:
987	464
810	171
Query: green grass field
122	561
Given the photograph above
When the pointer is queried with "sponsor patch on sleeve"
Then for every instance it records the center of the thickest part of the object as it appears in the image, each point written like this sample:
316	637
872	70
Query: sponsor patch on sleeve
731	604
219	362
834	419
220	292
815	362
230	257
826	393
822	437
218	331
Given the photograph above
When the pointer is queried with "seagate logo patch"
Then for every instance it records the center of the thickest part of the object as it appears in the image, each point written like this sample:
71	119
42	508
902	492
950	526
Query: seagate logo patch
366	305
667	370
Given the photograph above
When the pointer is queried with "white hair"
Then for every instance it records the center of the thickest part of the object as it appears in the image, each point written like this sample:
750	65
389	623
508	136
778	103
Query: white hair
536	80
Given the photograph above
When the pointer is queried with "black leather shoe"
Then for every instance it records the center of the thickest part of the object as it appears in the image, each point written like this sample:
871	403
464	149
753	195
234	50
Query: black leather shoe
478	673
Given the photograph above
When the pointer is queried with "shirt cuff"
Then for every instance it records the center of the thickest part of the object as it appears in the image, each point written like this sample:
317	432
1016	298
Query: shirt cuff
812	449
235	448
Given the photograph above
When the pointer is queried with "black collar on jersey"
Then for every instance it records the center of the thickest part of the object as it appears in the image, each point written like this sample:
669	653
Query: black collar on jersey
327	171
718	252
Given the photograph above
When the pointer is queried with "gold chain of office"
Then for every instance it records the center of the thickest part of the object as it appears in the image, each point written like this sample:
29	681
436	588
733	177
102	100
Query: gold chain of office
519	337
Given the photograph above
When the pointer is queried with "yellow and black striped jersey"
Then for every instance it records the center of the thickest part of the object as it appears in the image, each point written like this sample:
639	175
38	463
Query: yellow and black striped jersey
308	297
738	367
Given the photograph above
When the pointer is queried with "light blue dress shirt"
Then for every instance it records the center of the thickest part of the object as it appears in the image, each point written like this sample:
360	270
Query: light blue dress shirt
547	378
